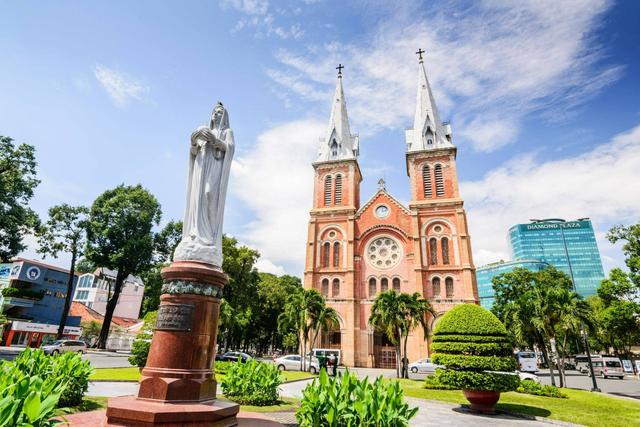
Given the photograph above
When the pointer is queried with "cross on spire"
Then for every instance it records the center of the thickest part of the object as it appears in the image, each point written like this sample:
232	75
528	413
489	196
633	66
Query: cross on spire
339	68
419	53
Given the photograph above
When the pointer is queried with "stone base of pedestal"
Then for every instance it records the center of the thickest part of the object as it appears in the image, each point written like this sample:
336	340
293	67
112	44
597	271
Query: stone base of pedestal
133	412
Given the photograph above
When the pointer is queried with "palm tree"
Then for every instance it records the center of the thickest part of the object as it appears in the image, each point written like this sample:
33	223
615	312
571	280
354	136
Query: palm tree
300	313
325	320
416	310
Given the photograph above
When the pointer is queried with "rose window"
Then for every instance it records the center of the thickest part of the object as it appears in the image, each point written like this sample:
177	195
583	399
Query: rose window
383	252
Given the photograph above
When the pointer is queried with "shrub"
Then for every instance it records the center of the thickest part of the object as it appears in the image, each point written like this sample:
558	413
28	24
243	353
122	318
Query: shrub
222	366
140	350
347	401
472	344
252	383
431	382
530	387
22	293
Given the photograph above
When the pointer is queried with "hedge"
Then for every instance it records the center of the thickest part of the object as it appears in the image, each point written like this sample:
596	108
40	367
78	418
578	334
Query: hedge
479	349
470	338
469	319
470	380
475	363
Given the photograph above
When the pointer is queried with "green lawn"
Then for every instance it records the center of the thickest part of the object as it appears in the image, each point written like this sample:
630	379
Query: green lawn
133	374
89	403
581	407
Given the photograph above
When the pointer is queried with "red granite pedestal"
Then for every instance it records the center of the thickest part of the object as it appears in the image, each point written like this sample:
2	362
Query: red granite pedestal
178	387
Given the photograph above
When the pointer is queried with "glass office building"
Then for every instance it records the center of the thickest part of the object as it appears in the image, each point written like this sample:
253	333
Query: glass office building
487	272
563	244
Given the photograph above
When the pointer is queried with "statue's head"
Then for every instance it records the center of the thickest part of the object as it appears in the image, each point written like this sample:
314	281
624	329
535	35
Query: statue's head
219	117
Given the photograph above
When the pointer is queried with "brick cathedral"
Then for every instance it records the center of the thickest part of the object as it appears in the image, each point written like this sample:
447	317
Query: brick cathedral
355	251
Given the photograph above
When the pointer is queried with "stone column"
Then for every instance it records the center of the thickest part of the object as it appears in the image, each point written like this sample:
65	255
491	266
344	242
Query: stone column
178	386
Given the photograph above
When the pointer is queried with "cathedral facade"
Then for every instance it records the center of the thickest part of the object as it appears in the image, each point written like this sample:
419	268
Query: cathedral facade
356	251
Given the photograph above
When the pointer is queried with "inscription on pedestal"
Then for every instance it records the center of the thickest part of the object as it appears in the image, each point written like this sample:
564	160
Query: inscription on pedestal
175	317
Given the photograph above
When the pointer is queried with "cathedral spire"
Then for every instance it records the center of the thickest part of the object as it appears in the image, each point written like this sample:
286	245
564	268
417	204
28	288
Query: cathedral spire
339	143
428	131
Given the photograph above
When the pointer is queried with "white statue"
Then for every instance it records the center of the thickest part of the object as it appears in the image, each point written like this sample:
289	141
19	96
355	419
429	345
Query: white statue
209	165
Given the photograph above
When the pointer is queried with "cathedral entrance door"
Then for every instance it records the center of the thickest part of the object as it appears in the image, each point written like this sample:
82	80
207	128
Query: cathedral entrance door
384	352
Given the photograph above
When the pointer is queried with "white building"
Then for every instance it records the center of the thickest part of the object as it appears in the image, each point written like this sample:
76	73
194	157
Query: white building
95	289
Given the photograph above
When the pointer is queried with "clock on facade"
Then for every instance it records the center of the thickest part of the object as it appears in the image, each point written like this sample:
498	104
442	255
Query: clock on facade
382	211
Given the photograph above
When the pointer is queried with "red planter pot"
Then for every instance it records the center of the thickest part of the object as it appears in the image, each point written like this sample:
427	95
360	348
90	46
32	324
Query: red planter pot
482	401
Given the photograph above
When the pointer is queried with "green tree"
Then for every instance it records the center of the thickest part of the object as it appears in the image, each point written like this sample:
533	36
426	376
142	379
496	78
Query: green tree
91	331
85	266
120	237
3	321
167	240
417	309
300	314
630	237
325	320
64	231
17	182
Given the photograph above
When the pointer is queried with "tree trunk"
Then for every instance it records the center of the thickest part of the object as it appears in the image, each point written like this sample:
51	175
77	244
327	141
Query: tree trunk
399	354
111	307
543	347
69	296
405	359
556	360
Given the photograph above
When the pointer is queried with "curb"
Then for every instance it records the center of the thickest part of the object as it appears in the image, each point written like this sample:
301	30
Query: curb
135	381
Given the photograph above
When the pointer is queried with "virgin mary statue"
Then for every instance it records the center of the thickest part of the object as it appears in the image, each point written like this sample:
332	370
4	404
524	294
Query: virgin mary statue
209	165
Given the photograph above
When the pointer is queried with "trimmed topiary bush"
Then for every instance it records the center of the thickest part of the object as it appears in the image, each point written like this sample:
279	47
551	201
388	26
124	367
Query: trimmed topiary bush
472	344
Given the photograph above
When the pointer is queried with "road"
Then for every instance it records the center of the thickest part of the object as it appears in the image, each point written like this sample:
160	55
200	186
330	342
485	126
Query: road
105	359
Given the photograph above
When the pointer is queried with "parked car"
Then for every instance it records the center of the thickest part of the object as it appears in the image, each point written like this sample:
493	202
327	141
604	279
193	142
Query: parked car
424	366
607	367
233	356
582	362
293	362
526	376
527	361
65	346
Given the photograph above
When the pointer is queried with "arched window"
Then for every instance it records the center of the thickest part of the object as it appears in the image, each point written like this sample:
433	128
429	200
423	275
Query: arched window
372	287
334	149
435	283
396	284
445	250
433	251
336	254
428	136
426	181
338	193
327	190
439	180
325	287
448	283
326	248
384	284
336	288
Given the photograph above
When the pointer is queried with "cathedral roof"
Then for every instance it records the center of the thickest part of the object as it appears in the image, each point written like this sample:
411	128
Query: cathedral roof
428	131
339	143
381	192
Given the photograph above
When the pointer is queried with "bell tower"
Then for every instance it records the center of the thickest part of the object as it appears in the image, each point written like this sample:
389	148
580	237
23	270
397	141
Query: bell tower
446	272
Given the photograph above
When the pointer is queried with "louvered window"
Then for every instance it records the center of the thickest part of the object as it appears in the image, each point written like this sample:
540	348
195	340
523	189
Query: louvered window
426	181
326	248
325	287
384	284
396	284
327	190
336	287
449	287
445	250
334	149
435	283
439	181
338	193
336	254
433	251
372	287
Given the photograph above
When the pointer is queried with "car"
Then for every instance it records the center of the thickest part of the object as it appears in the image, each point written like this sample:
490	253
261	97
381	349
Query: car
65	346
607	367
233	356
527	376
424	366
292	362
527	361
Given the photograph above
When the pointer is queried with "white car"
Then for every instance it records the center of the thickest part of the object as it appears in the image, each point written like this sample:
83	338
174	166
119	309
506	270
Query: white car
527	376
292	362
425	366
65	346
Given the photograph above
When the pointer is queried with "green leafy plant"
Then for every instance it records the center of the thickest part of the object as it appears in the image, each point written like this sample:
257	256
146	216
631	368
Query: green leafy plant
222	367
22	293
252	383
530	387
140	350
347	401
473	344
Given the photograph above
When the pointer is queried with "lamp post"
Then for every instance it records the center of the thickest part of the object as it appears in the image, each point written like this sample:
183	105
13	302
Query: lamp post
583	333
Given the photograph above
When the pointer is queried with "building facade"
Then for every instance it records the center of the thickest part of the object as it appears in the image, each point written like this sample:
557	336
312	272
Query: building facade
569	246
95	289
355	251
487	272
32	298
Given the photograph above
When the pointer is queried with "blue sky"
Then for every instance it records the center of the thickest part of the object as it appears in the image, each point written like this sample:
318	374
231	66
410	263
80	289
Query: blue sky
542	97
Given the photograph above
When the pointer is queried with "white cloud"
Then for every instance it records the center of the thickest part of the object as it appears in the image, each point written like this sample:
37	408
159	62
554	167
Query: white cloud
275	180
261	20
250	7
601	184
263	265
490	64
120	87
